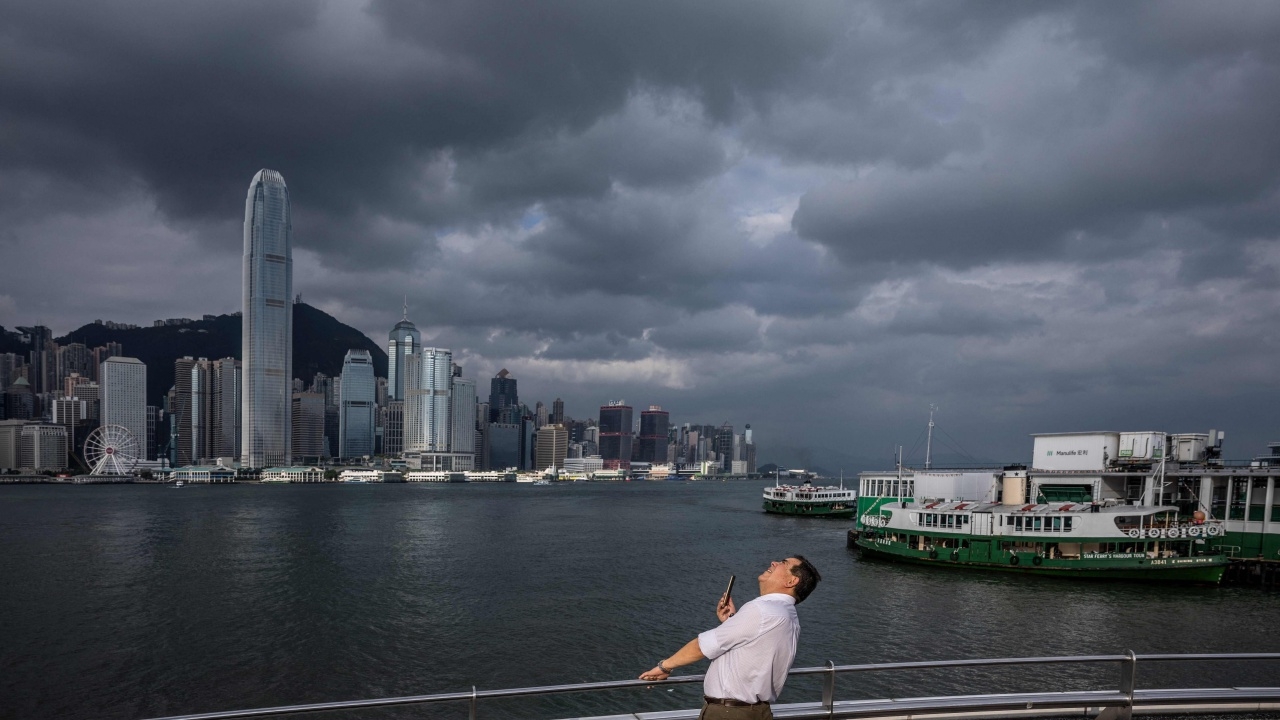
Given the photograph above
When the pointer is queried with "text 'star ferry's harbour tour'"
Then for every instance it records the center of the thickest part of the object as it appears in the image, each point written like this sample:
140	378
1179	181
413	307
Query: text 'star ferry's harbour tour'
1139	506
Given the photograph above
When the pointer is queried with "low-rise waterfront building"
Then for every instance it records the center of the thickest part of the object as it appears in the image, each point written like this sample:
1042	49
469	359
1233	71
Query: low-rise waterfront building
204	474
297	474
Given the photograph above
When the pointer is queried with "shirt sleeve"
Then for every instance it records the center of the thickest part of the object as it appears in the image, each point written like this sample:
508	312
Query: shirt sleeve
743	627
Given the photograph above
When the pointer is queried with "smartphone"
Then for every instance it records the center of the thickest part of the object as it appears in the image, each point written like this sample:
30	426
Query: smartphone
729	588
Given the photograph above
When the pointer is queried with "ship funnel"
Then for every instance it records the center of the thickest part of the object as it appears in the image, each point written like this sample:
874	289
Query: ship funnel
1014	491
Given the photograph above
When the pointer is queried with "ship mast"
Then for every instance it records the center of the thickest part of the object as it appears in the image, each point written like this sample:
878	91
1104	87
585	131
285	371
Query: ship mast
928	445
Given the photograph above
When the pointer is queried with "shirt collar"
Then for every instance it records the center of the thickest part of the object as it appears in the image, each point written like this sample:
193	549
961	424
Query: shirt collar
779	597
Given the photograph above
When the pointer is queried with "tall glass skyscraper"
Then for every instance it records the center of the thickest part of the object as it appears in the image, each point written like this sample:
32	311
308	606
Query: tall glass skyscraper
404	340
428	380
355	421
267	342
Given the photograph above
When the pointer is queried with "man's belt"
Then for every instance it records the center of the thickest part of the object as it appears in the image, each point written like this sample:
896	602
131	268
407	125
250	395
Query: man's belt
730	702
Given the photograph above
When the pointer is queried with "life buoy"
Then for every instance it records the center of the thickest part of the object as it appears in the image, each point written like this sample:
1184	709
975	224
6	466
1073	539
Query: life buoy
1037	560
955	554
1013	559
933	554
1135	533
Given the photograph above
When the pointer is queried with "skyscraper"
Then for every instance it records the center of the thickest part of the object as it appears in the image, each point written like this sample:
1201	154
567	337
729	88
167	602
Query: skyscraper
183	373
462	414
403	341
267	323
307	427
615	436
428	379
504	403
557	412
356	411
552	446
654	424
124	397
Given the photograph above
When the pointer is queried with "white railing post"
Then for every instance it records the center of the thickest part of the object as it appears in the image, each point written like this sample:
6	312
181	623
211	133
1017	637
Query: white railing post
829	688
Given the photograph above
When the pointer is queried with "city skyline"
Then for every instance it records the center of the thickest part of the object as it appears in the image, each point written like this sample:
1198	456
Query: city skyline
1040	218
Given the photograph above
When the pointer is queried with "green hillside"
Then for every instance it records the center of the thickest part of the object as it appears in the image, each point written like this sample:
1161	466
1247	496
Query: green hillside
319	343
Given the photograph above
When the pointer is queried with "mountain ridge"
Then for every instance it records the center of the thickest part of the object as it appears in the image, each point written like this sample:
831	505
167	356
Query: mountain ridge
320	341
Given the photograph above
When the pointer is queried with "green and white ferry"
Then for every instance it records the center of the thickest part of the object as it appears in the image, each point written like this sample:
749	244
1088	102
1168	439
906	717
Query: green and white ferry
809	500
1065	539
1177	481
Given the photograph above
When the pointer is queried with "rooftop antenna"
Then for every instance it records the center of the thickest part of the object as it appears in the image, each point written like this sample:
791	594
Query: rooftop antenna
928	445
406	307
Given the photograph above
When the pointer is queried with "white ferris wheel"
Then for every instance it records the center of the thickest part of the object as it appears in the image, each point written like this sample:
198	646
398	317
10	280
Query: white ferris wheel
111	450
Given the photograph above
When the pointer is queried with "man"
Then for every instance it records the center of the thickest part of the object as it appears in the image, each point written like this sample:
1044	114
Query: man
752	649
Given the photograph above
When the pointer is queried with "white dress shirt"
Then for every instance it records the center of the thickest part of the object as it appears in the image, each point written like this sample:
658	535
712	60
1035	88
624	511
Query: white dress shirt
752	651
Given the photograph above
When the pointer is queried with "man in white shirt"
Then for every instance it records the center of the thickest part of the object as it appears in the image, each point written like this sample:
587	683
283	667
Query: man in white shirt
752	649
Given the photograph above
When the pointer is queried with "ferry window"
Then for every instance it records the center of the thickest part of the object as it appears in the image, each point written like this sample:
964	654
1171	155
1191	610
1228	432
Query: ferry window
1257	501
1017	521
1066	524
1057	524
1239	489
964	519
1036	523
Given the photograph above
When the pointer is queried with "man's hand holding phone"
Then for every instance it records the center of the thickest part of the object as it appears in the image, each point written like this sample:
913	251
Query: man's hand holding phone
725	608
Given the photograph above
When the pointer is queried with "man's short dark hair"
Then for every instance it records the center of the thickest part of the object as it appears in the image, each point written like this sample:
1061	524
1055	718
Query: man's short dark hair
809	578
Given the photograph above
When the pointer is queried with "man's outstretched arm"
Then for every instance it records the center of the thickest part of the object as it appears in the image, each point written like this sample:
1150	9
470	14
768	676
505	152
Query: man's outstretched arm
686	655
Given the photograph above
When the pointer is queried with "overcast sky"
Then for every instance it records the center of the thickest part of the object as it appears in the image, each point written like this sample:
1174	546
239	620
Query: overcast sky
815	218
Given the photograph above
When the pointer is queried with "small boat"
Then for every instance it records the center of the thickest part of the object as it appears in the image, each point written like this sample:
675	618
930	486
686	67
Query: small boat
178	484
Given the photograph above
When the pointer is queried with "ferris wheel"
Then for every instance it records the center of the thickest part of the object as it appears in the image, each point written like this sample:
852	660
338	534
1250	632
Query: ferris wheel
111	450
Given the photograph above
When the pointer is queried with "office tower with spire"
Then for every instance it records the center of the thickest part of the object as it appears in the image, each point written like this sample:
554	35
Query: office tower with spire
267	323
403	341
356	408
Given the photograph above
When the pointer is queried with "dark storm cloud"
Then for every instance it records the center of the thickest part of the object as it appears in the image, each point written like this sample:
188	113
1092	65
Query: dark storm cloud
1030	211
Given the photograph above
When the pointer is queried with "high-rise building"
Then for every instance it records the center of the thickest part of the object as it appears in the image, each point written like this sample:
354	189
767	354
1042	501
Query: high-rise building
615	435
403	340
428	379
552	447
557	412
504	402
540	415
42	447
124	397
504	446
10	433
654	425
723	445
307	426
157	434
357	408
227	420
267	323
392	427
73	359
462	414
182	410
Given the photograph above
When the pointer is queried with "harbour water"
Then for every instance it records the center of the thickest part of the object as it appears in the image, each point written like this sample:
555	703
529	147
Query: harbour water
140	601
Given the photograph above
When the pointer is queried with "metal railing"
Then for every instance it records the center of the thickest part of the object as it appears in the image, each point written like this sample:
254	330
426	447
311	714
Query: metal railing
1117	704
